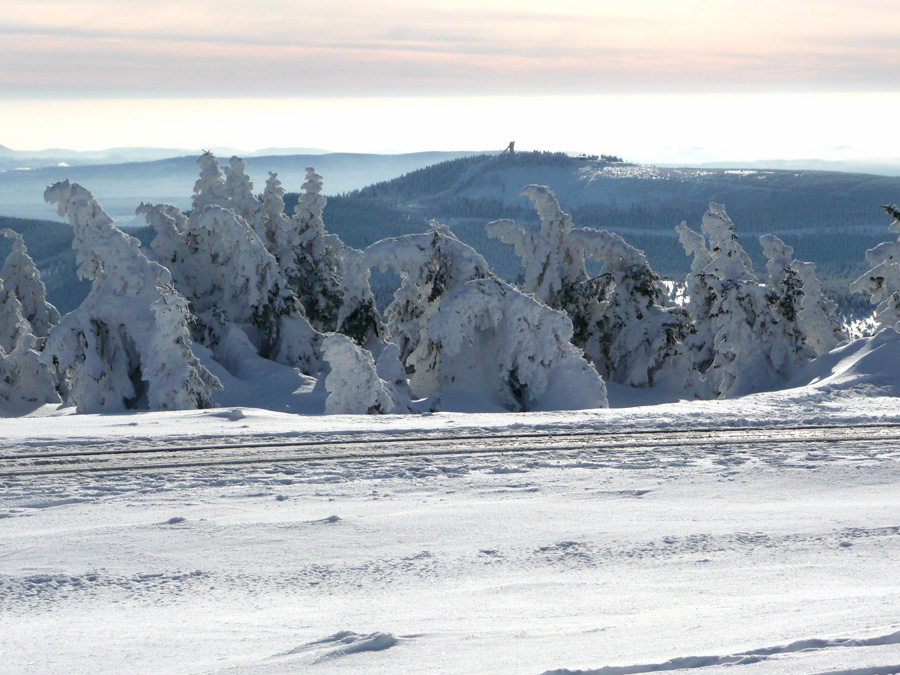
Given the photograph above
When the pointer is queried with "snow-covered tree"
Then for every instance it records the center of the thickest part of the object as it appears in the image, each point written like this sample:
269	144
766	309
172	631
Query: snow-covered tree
490	339
23	377
241	283
818	313
170	225
310	257
785	297
353	384
128	344
241	199
621	318
882	282
795	295
224	268
430	266
640	340
210	186
393	375
21	277
13	324
457	326
274	221
701	297
756	343
358	316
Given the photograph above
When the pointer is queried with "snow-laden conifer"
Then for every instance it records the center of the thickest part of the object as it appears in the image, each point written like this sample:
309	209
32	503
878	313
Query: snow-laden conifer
785	294
128	344
621	319
309	256
754	344
274	220
170	225
209	188
492	340
21	277
430	266
457	326
353	384
701	297
239	281
882	282
241	200
23	377
225	270
795	294
358	316
393	374
818	312
13	324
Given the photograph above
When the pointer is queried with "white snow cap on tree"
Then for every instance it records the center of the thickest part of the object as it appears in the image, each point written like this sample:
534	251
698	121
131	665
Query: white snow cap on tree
882	282
353	384
818	313
729	259
170	225
701	296
23	378
21	277
13	324
128	344
553	263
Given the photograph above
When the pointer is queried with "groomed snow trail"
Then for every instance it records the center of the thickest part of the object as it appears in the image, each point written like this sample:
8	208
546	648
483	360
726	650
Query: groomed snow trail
754	550
118	459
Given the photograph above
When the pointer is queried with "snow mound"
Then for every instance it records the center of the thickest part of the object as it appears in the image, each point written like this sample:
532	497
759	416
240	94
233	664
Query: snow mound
866	364
341	644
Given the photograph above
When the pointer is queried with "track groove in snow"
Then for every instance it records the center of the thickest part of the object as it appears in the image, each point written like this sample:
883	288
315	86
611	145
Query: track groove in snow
223	455
392	438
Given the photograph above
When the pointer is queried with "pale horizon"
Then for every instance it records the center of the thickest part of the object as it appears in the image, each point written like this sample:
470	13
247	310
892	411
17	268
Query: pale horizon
644	128
647	80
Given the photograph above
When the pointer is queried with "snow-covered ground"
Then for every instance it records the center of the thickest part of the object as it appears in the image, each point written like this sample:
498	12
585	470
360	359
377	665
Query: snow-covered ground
728	554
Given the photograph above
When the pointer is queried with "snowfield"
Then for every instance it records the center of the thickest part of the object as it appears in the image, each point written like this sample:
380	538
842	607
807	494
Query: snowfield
732	543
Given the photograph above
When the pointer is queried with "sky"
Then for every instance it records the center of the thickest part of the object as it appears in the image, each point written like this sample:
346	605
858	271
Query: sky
708	78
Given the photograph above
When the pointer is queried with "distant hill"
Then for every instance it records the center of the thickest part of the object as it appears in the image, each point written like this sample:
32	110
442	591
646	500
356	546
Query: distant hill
121	187
36	159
